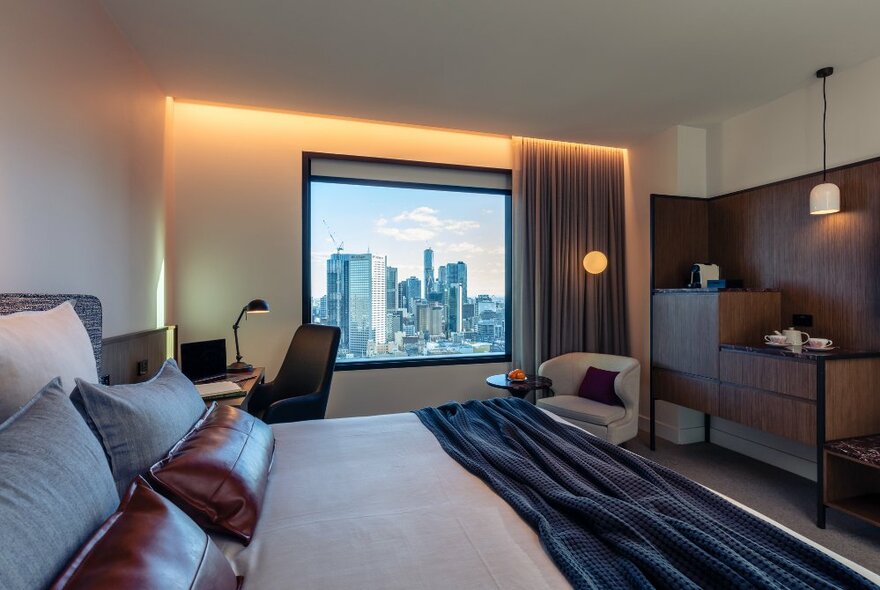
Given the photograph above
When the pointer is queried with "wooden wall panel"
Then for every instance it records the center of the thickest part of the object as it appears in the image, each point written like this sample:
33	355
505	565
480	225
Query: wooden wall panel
121	354
745	317
852	398
827	265
681	238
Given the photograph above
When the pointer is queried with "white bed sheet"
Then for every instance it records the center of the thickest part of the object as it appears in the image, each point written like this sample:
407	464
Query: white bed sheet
375	503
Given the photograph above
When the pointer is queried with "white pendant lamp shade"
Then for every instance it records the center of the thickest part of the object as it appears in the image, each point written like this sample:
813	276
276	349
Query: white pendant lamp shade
824	199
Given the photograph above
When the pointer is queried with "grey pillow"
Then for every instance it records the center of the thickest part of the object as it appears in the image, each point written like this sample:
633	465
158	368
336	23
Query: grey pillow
138	424
55	489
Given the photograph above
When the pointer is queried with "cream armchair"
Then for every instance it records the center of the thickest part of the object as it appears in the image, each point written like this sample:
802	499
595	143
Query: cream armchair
613	423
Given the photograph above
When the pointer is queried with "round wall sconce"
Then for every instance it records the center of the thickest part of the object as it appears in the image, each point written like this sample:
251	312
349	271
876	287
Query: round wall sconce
595	262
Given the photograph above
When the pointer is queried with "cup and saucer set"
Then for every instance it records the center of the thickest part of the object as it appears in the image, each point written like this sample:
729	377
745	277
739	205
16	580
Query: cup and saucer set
796	339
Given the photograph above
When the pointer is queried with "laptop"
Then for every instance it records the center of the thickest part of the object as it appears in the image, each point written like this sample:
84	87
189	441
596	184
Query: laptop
204	361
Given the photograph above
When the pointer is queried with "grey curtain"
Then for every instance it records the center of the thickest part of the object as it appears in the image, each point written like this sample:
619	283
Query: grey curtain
568	199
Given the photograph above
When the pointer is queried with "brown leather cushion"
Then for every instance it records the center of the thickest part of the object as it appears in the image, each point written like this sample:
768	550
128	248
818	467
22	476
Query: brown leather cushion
217	473
148	543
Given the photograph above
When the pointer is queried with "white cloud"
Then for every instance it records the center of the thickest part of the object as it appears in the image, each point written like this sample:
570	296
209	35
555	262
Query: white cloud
426	217
464	248
409	234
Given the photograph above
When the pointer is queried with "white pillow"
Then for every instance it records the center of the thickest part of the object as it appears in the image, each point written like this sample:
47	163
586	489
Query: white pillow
36	347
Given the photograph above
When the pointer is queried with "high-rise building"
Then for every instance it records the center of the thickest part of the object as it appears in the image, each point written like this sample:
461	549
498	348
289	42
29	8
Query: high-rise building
429	319
361	294
454	311
391	301
456	272
412	292
337	298
429	271
393	323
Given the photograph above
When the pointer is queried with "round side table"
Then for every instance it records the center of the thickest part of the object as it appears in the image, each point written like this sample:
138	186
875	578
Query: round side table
520	389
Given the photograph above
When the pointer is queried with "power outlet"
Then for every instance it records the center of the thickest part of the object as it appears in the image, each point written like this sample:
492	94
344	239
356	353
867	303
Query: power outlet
802	320
142	367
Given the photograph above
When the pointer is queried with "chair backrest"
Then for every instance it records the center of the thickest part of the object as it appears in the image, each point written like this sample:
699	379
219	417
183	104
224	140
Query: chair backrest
309	362
567	372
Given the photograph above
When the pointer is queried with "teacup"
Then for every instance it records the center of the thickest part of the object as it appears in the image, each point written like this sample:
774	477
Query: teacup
775	339
819	343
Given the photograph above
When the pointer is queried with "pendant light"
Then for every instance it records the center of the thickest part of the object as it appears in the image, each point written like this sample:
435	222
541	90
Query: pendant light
825	197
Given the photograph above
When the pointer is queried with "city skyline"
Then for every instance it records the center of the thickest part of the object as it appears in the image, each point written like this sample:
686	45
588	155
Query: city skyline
400	223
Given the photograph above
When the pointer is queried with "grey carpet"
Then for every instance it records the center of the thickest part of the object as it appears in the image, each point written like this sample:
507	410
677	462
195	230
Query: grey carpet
783	496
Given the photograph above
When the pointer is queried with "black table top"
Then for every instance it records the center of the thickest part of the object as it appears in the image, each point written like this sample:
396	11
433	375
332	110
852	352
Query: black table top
800	352
532	382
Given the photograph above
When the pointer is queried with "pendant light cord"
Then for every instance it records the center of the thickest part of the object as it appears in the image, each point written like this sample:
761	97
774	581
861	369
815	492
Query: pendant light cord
824	125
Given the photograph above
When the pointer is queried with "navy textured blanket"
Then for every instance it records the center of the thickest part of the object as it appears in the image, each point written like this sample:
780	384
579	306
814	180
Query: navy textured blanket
611	519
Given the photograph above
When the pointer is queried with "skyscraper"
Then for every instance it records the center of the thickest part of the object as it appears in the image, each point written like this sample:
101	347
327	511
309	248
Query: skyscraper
412	293
454	311
337	298
429	271
361	295
456	272
429	319
391	301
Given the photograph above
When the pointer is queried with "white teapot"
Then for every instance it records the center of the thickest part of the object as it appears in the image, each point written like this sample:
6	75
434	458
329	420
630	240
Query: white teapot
795	337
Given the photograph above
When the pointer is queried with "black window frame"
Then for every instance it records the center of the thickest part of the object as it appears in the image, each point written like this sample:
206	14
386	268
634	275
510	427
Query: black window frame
398	363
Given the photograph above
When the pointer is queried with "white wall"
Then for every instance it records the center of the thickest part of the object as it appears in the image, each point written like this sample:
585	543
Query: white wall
783	138
666	163
237	235
81	132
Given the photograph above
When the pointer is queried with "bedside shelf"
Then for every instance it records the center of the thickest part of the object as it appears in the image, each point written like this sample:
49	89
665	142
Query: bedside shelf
852	477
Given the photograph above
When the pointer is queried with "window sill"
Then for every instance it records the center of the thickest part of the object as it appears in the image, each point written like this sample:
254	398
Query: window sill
422	362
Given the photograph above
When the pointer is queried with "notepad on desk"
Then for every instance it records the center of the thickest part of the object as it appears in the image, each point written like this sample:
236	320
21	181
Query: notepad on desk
218	388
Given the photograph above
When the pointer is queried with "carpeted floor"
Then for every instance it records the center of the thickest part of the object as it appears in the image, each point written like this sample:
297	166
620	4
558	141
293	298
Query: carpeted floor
781	495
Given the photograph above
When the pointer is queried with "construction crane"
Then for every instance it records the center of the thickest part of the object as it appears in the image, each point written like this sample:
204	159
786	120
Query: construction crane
340	245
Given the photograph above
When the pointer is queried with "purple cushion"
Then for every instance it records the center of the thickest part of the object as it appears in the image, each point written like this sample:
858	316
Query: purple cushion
598	385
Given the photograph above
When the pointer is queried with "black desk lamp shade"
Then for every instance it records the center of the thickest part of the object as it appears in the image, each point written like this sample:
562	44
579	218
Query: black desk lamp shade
255	306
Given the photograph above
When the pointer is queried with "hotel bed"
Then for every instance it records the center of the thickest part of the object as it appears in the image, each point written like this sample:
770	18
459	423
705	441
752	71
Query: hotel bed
376	502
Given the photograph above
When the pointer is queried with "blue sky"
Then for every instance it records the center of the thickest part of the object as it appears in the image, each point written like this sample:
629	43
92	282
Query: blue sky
402	222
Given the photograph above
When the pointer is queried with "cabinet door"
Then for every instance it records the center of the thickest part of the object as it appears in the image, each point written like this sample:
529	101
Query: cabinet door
685	333
770	412
692	392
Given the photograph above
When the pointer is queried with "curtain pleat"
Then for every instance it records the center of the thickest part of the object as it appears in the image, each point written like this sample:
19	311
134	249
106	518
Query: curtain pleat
568	199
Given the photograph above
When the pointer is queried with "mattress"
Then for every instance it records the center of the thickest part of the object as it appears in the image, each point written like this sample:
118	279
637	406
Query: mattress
374	502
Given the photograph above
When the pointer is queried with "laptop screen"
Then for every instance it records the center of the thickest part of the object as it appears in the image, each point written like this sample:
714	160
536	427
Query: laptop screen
201	361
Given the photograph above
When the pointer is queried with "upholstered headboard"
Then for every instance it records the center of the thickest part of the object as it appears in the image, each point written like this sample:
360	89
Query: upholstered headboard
88	307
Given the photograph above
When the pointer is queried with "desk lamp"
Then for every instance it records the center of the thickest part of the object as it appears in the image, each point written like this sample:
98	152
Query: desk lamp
255	306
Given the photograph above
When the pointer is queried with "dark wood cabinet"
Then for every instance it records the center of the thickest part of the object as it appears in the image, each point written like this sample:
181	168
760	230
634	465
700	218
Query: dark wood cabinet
688	326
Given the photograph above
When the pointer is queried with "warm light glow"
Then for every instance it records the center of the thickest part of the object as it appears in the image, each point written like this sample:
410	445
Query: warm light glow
824	199
258	311
595	262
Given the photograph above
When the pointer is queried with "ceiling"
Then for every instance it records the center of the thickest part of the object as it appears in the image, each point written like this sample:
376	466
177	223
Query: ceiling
602	71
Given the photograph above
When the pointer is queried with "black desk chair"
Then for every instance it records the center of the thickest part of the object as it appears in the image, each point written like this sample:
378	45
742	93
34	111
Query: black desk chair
302	386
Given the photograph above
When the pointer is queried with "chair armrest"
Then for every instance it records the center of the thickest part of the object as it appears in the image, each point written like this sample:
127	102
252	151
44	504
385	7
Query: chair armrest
296	409
258	399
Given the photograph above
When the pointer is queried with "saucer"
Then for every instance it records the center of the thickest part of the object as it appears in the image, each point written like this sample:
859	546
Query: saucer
819	349
783	345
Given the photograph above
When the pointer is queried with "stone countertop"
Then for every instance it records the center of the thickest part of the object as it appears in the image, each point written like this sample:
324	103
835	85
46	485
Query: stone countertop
800	352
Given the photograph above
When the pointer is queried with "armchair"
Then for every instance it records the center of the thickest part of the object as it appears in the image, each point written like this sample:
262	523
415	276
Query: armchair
613	423
302	387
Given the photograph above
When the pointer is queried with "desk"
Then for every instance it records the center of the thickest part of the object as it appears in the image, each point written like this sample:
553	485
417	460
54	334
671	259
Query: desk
246	381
